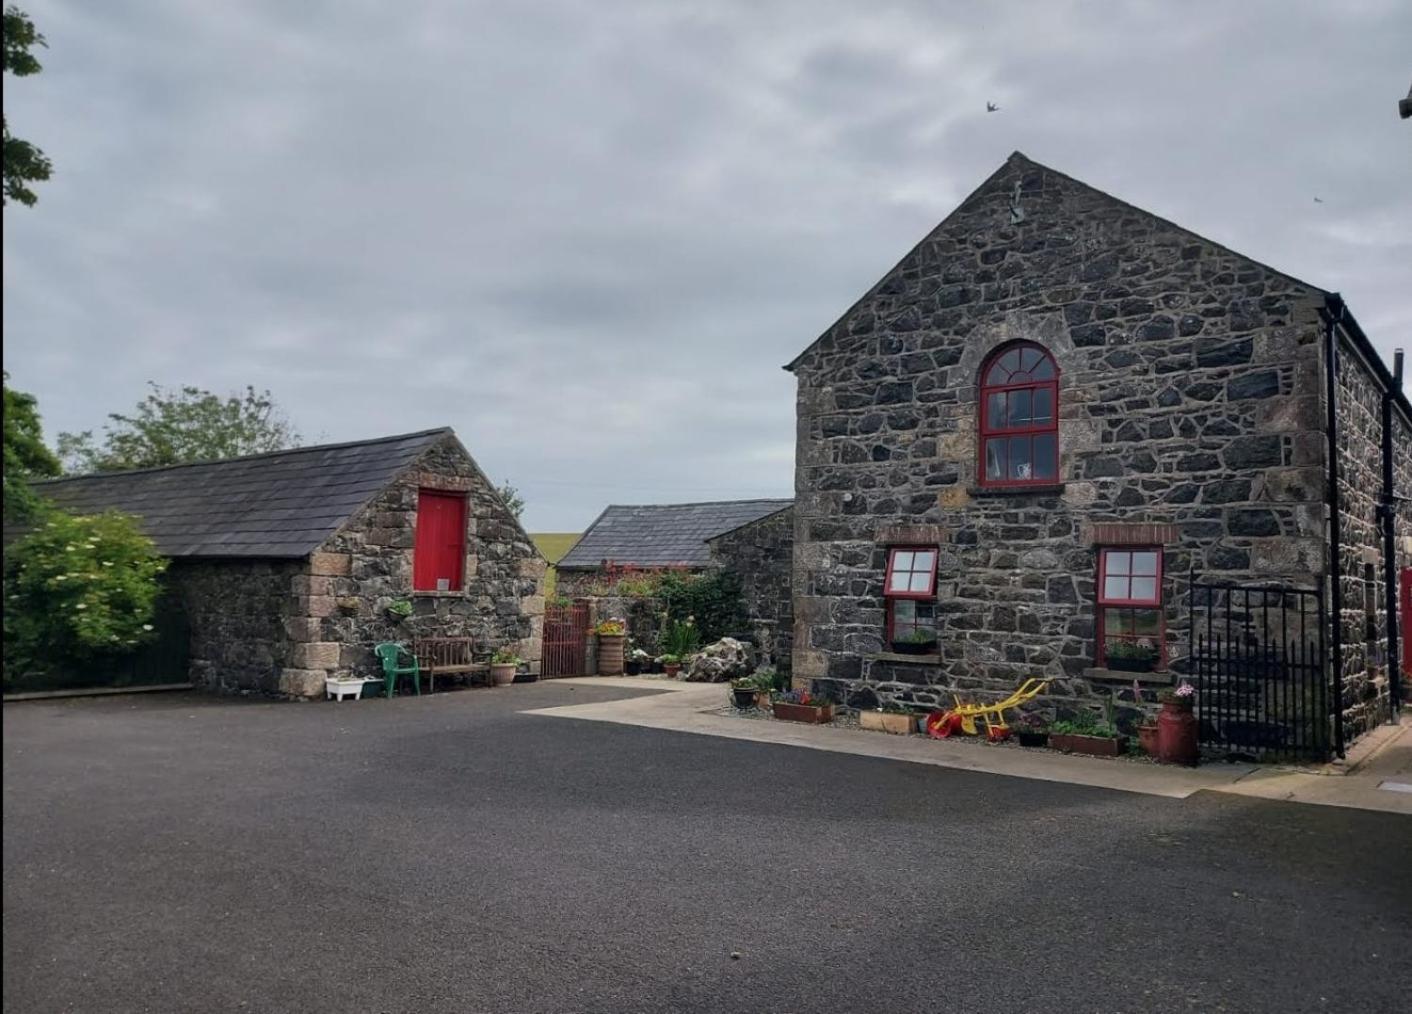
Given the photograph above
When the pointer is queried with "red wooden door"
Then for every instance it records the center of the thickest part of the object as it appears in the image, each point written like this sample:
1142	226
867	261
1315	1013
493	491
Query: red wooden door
440	544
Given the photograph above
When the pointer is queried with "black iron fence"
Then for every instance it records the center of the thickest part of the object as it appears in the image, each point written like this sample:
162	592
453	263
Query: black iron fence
1258	662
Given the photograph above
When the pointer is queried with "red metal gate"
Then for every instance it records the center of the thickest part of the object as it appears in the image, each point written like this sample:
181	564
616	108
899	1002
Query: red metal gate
565	640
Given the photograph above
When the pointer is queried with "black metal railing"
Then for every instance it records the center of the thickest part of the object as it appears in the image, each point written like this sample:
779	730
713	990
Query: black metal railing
1257	659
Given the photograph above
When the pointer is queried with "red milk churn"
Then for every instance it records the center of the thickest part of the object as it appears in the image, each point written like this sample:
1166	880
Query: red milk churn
1176	734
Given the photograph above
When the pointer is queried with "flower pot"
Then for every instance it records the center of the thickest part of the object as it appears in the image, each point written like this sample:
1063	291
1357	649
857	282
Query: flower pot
632	668
810	713
502	674
1176	734
339	687
914	647
1095	746
610	654
1147	738
743	697
1032	739
670	668
997	733
899	723
762	699
1130	664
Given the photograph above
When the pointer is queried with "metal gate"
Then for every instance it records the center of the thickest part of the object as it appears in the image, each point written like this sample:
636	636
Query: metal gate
1258	664
565	639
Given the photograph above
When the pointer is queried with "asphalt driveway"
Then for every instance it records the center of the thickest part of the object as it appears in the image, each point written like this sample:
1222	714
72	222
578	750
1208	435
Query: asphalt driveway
447	853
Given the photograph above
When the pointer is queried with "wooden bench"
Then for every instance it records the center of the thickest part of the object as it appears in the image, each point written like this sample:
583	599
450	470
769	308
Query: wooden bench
447	656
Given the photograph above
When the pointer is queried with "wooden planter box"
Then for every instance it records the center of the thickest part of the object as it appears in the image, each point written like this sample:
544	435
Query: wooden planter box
809	713
1096	746
896	722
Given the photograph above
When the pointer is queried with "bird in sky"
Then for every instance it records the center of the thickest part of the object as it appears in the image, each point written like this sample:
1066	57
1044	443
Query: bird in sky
1318	200
991	107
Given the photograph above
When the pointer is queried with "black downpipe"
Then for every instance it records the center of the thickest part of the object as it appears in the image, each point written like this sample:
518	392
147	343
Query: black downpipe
1332	314
1389	519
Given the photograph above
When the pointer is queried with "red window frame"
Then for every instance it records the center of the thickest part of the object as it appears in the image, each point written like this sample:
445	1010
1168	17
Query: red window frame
900	564
439	541
992	429
1125	601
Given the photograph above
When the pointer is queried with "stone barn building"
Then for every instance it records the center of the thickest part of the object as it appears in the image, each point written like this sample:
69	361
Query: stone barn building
1063	436
284	564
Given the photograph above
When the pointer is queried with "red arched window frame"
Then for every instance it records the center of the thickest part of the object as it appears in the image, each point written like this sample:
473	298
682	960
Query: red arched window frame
1019	417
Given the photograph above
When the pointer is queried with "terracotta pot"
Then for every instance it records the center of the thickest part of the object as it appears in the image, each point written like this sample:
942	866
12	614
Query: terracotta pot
1176	734
821	715
762	699
502	674
670	668
1095	746
1147	739
610	654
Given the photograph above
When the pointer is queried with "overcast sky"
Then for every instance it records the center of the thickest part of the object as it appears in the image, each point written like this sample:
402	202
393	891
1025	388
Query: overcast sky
587	235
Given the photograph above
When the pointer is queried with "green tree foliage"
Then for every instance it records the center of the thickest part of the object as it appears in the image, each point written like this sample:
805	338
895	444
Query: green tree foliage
77	586
26	457
175	427
512	498
712	600
24	163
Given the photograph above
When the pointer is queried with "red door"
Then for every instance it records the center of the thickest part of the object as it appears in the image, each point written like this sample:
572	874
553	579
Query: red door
1407	620
439	553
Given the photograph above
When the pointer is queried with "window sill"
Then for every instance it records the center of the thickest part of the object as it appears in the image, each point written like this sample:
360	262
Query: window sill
1038	489
1163	677
431	593
897	656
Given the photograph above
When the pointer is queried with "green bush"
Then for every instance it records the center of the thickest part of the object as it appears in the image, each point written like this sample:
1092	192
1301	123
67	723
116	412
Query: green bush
78	586
713	600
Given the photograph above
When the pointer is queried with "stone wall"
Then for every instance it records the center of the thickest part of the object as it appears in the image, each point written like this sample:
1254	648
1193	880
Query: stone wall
236	612
761	554
342	598
1365	619
1190	400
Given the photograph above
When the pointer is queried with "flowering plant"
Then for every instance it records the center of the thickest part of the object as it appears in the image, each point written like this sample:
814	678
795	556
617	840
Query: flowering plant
799	697
1184	694
612	628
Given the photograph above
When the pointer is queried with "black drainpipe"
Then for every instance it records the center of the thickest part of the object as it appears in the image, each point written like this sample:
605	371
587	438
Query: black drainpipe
1333	313
1388	509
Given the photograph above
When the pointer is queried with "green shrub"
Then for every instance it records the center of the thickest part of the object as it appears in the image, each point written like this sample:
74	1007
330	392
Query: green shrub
78	586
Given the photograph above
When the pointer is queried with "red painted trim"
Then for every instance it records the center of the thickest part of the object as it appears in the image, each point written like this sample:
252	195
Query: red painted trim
930	591
1103	603
987	431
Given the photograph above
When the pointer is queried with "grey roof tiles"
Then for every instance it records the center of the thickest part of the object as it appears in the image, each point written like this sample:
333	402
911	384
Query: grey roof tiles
663	535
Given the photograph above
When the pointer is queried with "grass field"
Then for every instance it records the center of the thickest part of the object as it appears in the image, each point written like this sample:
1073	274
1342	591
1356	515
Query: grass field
553	545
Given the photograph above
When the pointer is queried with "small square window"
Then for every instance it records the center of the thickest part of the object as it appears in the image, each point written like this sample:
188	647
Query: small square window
911	573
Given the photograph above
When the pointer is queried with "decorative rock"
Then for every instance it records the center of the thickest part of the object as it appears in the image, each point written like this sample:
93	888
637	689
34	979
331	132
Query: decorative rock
724	660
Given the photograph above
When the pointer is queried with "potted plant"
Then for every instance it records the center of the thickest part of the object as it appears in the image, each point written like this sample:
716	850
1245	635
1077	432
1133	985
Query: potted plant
1131	656
671	664
611	635
636	662
888	716
1088	734
503	665
918	642
800	706
767	681
1033	731
398	610
1176	726
743	691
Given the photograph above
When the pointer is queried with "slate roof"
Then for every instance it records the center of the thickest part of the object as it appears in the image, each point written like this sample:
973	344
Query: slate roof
663	535
279	505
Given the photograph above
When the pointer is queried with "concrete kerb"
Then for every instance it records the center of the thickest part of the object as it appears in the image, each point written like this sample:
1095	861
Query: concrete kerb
692	707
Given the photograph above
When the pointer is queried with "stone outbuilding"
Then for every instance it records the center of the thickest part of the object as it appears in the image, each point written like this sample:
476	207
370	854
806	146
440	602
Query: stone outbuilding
284	564
1061	431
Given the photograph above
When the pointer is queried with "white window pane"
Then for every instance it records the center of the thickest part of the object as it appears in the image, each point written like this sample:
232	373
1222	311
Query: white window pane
1115	587
1144	588
901	559
924	560
898	581
921	580
1144	563
1119	562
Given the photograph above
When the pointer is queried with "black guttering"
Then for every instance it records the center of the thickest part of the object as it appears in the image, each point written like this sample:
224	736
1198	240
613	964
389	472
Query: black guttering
1333	315
1387	515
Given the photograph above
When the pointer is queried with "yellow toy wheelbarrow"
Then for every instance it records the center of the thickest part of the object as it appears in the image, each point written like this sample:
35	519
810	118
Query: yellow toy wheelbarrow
962	718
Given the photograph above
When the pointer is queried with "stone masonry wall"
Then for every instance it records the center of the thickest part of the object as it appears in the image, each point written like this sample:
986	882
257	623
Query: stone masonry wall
1189	400
761	554
341	600
1365	620
236	611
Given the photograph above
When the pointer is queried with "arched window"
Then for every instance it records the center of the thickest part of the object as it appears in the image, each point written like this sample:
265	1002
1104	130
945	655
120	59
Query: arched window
1019	422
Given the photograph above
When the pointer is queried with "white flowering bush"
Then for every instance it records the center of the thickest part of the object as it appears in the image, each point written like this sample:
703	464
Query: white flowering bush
76	586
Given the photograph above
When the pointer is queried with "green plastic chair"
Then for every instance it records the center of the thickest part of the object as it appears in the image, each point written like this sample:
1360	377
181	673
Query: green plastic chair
391	655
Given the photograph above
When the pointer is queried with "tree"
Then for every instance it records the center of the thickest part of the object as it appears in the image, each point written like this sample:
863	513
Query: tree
513	500
24	163
26	457
175	427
